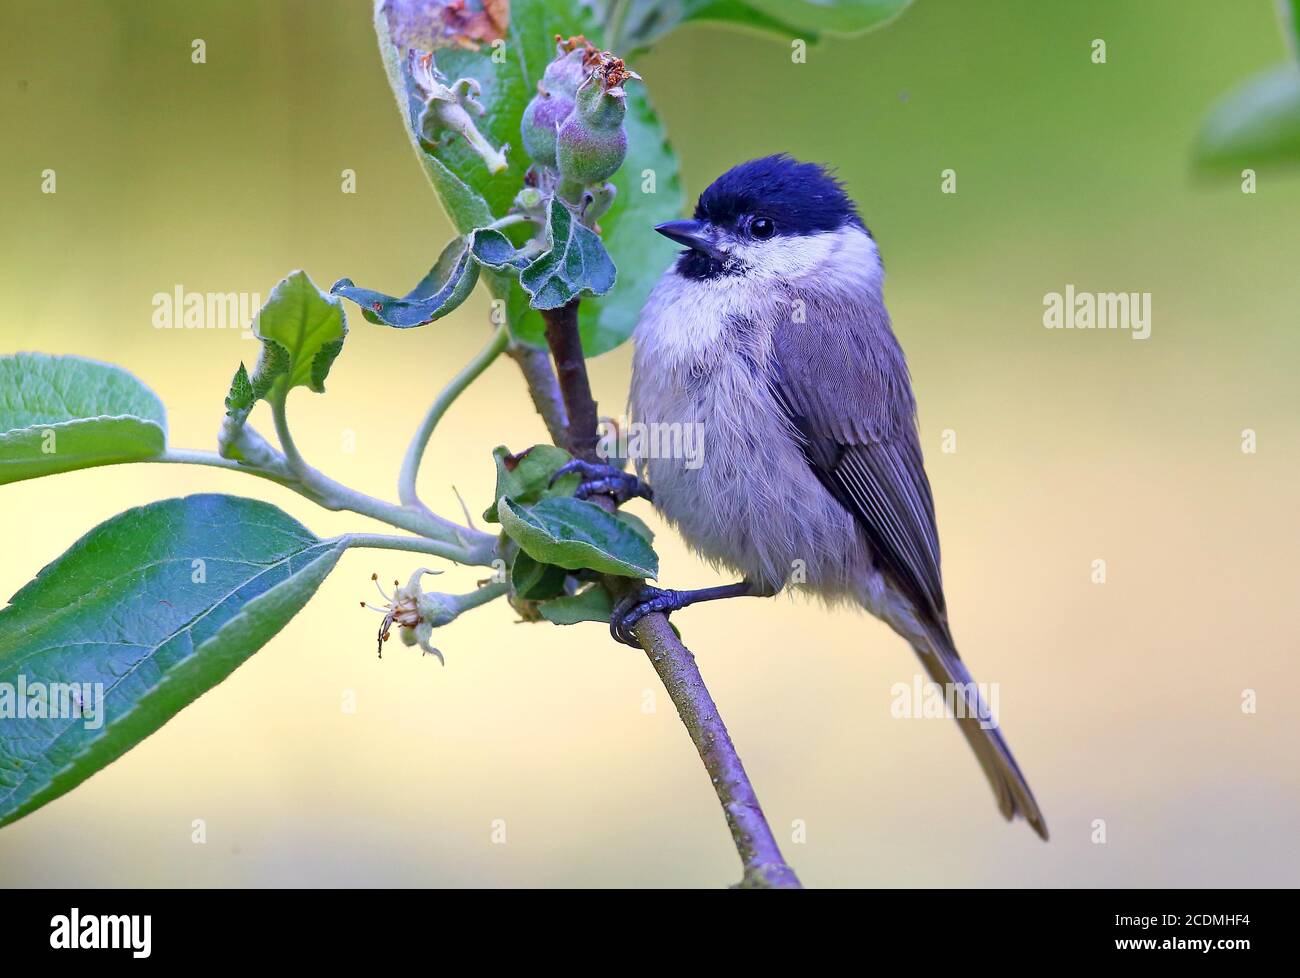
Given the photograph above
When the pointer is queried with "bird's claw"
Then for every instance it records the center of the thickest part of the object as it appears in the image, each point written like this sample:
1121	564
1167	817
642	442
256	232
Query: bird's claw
598	479
636	606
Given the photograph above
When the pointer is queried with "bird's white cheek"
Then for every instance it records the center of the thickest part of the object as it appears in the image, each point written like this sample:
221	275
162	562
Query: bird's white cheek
789	257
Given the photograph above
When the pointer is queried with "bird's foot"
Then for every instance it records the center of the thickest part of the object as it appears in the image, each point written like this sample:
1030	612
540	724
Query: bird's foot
649	599
637	605
598	479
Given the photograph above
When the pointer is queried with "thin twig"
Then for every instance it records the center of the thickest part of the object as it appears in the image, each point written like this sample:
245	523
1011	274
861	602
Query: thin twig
417	545
471	546
764	866
334	495
406	491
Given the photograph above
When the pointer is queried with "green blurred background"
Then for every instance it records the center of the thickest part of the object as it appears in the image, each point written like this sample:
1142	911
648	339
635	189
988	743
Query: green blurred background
1121	700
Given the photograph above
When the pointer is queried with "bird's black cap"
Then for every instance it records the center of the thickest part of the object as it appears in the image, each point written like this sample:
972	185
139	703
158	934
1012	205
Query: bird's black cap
801	198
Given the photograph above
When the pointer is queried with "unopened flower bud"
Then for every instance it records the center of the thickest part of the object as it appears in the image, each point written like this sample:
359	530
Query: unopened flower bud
540	124
592	141
574	60
553	102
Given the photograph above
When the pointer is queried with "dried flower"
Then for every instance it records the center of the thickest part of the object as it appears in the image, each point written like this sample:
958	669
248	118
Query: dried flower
447	109
416	612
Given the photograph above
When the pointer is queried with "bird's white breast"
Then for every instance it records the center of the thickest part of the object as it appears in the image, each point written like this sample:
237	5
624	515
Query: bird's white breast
750	501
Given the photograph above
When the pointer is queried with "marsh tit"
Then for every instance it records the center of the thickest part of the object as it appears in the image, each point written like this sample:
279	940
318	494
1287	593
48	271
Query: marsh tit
770	333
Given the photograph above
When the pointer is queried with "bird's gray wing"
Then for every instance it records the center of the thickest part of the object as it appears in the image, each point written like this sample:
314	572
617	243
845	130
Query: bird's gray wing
842	381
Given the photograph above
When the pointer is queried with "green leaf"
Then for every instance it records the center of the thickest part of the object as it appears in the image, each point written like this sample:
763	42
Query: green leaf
442	290
534	581
473	198
574	262
494	250
829	16
396	23
302	331
59	413
526	477
590	604
649	20
575	534
159	604
638	525
1255	124
469	192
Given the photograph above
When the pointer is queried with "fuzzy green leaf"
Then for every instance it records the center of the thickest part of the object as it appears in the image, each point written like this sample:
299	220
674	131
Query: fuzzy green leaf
59	413
526	477
400	24
648	188
649	20
575	534
534	581
494	250
593	603
158	604
442	290
302	331
575	262
637	524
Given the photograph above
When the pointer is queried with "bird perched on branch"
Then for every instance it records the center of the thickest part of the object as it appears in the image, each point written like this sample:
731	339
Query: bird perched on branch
770	333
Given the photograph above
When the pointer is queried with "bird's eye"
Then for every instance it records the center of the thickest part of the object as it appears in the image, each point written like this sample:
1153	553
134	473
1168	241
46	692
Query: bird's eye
762	228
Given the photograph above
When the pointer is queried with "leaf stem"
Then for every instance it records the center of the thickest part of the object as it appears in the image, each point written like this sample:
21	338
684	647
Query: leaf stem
464	546
510	220
193	456
297	464
488	592
406	490
334	495
417	545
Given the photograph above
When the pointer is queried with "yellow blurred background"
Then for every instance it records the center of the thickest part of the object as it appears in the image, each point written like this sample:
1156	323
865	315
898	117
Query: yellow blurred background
1122	700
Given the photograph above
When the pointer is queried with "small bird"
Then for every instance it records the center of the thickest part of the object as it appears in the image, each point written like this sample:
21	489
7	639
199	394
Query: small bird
770	333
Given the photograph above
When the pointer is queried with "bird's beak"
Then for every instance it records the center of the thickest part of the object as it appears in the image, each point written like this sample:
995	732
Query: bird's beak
692	234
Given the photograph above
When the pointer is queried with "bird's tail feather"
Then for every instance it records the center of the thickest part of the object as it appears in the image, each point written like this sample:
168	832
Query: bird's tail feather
1009	785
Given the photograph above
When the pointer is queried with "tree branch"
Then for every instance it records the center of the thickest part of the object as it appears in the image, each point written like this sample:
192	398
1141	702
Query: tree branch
764	866
535	365
571	369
